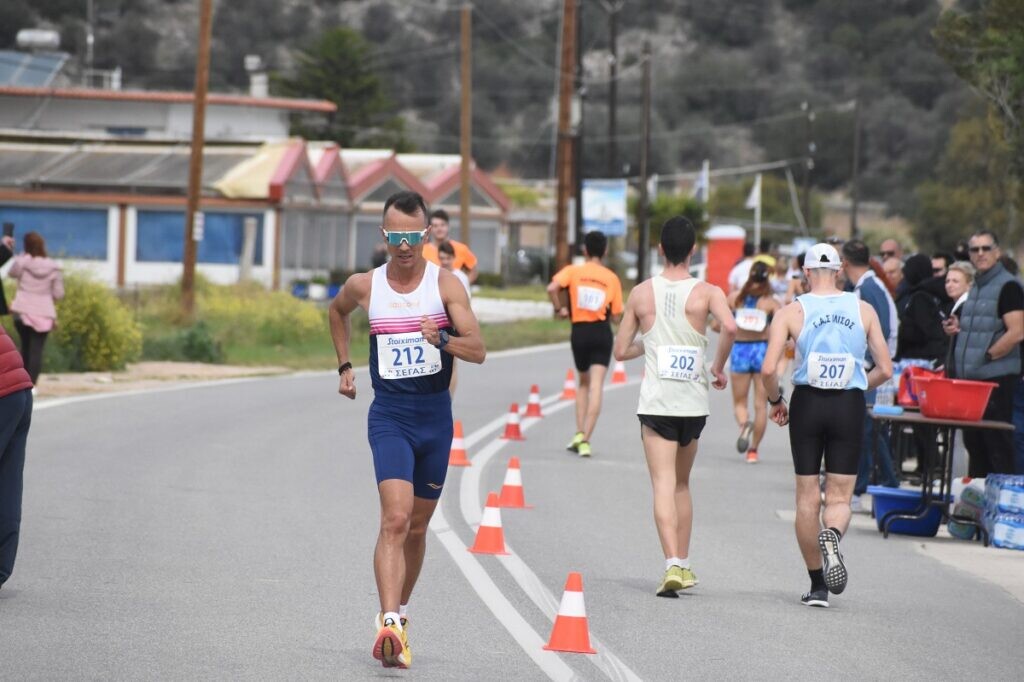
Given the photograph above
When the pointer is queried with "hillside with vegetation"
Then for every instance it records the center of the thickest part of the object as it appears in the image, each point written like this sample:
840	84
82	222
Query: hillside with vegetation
733	83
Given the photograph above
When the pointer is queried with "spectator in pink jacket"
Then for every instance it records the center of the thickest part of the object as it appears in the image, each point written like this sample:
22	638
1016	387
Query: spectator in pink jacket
39	284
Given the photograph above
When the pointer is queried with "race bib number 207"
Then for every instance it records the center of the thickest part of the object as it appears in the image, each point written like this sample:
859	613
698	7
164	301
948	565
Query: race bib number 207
830	370
406	356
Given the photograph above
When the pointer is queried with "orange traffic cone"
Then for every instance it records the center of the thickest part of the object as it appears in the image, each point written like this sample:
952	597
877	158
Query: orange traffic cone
457	456
569	388
533	405
512	430
512	490
490	539
571	632
619	375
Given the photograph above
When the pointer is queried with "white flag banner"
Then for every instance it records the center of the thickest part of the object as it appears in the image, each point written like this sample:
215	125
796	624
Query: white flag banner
652	187
702	186
754	198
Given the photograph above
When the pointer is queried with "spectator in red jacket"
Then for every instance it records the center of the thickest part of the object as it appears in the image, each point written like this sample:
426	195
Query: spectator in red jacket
40	285
15	419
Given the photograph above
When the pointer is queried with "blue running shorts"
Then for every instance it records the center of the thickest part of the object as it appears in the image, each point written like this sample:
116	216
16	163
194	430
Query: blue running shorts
411	438
747	357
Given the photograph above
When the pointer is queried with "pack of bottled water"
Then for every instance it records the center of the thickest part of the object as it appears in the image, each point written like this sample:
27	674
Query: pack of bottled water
1004	510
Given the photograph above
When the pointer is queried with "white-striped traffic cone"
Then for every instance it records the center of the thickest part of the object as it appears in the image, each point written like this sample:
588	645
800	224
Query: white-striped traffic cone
533	405
512	430
490	538
511	496
571	632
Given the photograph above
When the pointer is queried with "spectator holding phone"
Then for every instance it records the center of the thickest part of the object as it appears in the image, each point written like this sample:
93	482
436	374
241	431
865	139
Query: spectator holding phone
40	285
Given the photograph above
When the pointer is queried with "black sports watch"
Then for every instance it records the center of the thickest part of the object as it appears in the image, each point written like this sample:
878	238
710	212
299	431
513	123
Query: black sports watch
773	403
444	338
344	366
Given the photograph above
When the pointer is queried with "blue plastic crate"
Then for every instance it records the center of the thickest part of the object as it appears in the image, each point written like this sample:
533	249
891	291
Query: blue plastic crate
887	500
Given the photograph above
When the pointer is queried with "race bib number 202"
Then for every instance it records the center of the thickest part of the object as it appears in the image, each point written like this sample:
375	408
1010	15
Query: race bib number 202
681	363
406	356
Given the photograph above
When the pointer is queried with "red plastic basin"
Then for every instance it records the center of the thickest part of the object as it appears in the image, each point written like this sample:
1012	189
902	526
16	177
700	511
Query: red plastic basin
953	398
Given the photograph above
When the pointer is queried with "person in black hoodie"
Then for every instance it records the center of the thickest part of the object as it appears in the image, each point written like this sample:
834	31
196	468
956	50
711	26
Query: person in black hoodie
921	336
921	339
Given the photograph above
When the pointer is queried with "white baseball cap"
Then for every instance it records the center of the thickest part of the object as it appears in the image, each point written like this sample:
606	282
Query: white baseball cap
822	256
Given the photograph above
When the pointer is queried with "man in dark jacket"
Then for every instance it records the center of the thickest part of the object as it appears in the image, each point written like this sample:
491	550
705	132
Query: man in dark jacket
15	419
988	332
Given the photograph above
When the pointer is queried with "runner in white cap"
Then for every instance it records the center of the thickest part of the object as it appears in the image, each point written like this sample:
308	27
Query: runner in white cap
833	330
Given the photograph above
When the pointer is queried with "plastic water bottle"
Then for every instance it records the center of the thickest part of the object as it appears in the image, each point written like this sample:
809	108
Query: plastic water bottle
886	394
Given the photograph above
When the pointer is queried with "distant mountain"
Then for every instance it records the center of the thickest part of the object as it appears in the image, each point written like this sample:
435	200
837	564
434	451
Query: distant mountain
730	78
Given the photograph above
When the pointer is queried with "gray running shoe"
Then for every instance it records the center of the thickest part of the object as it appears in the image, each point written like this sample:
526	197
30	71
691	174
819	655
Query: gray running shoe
833	566
743	442
815	598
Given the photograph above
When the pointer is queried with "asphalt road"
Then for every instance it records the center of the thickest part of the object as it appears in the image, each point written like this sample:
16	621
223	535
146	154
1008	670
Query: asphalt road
225	532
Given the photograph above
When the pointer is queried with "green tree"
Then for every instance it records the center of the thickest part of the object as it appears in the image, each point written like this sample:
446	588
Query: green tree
729	201
986	48
666	206
335	67
973	188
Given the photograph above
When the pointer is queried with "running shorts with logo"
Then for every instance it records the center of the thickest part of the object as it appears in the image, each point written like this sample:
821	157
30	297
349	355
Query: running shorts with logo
591	344
827	411
410	421
411	438
747	356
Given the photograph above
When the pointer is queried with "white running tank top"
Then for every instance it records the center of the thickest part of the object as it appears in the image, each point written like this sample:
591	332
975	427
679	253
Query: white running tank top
401	361
675	380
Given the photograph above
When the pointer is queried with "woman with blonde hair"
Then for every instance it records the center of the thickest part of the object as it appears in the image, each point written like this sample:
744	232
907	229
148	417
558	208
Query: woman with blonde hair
40	285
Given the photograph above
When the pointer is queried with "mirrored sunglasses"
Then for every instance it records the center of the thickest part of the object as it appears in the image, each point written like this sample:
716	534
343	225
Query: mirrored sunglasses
410	238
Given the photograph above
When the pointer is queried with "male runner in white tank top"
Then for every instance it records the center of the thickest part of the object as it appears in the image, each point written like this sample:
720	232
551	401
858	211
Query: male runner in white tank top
832	330
671	313
420	320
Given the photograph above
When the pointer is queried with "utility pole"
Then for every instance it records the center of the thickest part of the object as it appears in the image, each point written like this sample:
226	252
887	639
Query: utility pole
579	90
466	126
563	164
613	86
854	189
811	148
642	218
195	165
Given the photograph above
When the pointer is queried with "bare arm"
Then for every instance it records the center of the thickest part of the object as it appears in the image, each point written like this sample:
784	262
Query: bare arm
1008	342
469	344
882	371
778	335
356	289
472	273
554	291
627	345
719	307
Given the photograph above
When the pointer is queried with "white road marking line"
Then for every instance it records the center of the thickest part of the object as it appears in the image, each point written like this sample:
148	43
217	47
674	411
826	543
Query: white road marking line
531	642
469	503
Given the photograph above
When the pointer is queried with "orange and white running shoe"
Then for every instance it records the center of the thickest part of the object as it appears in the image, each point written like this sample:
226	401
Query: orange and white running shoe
391	647
752	457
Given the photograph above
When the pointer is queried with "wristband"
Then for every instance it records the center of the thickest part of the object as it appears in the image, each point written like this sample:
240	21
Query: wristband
773	403
344	366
